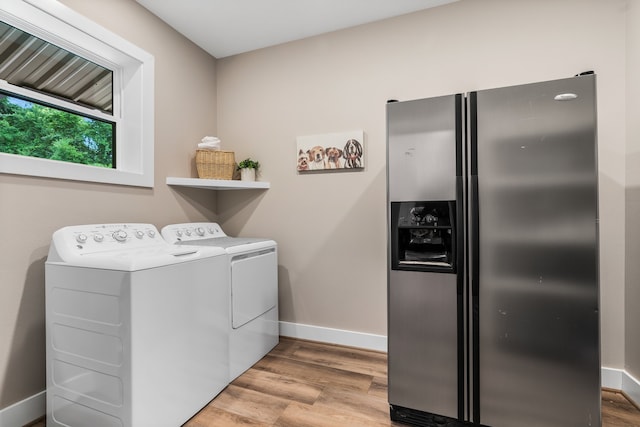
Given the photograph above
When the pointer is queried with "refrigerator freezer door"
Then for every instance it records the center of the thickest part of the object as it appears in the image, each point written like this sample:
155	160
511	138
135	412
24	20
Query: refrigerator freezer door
538	255
422	149
423	357
424	164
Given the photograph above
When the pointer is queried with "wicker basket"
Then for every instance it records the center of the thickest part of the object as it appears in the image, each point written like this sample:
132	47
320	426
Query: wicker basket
215	164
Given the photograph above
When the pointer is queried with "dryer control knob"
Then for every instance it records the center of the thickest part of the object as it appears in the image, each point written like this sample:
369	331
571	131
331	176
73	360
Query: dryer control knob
120	235
98	237
178	233
81	238
151	233
139	234
200	231
187	232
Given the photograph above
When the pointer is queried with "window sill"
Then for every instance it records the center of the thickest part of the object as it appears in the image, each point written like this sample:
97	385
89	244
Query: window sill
45	168
218	184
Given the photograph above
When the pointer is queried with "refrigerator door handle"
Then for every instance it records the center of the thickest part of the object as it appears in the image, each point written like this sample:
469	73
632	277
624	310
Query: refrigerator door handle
474	258
460	230
474	353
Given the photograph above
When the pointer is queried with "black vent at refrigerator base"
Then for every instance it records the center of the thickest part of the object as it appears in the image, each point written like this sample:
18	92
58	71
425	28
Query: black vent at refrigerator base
425	419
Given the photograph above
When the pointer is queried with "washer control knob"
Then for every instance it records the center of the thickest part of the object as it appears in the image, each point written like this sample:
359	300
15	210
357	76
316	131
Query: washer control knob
120	235
151	233
178	233
98	237
200	231
187	232
139	234
81	238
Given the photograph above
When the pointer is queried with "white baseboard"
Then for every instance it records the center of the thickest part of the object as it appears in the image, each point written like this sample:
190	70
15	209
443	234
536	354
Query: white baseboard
631	387
612	378
25	411
334	336
619	379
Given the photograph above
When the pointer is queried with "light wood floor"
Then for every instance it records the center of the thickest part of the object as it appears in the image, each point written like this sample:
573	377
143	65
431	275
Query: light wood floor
307	384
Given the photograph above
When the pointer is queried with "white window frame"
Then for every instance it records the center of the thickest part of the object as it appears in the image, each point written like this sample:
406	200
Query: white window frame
133	83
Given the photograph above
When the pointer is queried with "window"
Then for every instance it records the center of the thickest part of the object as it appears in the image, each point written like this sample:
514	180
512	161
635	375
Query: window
29	128
76	101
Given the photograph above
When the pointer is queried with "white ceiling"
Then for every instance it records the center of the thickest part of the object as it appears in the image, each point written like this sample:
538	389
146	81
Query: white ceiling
228	27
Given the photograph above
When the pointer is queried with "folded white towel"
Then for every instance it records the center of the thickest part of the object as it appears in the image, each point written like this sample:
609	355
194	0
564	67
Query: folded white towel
209	143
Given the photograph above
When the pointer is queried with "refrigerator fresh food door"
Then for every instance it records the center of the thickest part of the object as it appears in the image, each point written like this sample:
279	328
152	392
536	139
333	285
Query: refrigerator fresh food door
536	284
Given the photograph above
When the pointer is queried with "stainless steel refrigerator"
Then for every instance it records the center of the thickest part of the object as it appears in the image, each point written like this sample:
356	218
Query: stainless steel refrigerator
493	289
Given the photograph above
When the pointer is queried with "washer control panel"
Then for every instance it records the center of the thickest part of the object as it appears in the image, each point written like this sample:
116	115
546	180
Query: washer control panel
105	237
192	231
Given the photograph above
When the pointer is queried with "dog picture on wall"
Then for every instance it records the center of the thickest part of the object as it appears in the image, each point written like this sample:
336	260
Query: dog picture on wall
330	151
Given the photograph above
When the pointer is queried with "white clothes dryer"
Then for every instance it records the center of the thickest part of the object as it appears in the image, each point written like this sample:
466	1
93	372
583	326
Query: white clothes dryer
253	284
136	328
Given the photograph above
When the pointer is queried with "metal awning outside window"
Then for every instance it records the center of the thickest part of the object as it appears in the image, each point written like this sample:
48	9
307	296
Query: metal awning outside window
32	63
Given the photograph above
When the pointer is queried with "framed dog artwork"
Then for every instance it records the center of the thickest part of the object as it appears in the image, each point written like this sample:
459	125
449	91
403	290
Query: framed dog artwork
330	152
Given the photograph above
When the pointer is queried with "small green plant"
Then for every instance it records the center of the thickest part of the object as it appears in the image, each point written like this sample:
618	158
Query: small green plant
248	164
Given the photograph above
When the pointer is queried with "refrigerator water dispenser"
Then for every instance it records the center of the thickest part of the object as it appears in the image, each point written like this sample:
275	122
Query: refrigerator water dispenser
423	236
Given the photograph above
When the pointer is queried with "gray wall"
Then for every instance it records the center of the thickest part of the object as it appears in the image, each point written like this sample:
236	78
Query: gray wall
632	254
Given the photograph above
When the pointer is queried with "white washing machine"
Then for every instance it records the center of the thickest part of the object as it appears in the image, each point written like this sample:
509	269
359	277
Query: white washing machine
253	284
136	328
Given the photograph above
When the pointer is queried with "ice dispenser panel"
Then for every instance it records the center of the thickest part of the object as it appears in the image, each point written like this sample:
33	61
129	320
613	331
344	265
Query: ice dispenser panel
423	236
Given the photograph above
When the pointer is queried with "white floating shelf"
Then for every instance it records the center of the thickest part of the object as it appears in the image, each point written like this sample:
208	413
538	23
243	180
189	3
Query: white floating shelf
217	184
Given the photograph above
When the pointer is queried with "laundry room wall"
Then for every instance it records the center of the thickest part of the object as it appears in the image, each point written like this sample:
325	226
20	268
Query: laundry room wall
632	218
31	209
331	227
